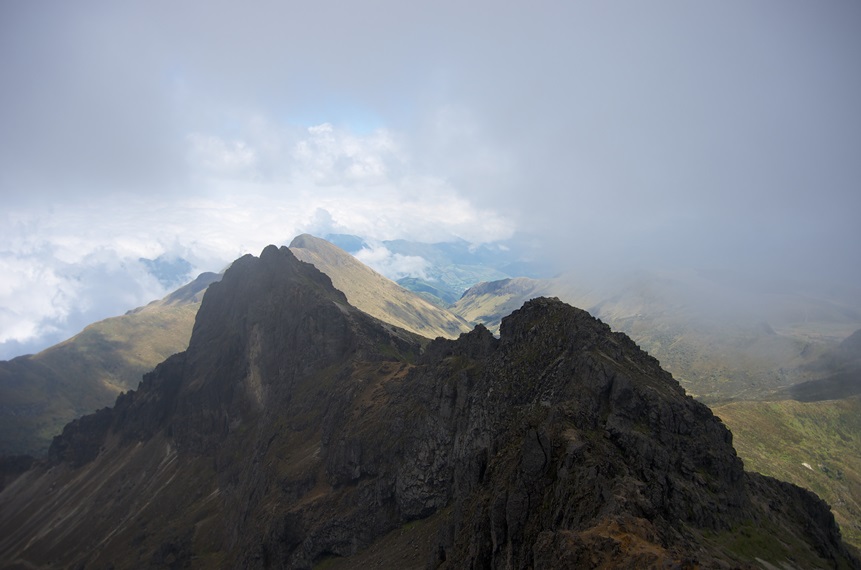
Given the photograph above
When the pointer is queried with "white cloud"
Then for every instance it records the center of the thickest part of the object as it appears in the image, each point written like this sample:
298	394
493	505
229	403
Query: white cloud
218	157
31	295
330	156
393	265
44	297
77	261
619	135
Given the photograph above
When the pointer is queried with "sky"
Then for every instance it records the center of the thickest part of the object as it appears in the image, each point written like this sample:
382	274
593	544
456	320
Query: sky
715	135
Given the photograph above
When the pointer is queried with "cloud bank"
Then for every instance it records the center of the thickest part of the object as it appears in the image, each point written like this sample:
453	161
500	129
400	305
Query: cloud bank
78	261
721	137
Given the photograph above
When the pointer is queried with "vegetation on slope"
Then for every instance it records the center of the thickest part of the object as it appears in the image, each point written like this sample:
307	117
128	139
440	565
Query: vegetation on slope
41	393
816	445
376	295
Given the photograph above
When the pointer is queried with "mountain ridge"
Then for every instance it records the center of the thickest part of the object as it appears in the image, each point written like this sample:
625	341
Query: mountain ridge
297	429
377	295
716	356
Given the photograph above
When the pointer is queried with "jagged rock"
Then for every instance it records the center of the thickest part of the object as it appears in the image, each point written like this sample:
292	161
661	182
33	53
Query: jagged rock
297	429
81	439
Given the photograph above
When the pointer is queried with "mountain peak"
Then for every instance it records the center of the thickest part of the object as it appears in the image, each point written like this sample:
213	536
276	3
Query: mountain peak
375	294
307	241
237	358
297	429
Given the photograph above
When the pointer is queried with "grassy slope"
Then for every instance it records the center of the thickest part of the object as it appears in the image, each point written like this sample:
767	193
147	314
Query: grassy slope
376	295
488	303
779	438
85	373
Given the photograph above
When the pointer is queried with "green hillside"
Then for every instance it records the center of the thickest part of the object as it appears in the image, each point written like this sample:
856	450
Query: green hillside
41	393
816	445
376	295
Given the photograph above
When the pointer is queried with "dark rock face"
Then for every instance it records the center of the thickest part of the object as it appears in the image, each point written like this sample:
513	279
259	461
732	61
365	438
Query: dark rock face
297	429
559	425
82	439
12	466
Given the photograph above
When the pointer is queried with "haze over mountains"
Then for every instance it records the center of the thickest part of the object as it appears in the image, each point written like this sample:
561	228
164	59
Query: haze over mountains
297	429
714	136
701	331
717	350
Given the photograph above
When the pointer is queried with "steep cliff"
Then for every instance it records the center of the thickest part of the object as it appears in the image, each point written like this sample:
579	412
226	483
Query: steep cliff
296	429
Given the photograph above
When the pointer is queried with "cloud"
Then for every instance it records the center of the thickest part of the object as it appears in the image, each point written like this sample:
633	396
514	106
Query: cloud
718	136
324	177
393	265
45	298
37	293
73	263
217	157
329	156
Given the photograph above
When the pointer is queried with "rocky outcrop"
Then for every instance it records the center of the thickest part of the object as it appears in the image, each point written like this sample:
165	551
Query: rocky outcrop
297	429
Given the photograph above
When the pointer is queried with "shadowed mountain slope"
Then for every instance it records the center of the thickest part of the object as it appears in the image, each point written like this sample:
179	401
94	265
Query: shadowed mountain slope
40	393
813	436
377	295
296	430
838	373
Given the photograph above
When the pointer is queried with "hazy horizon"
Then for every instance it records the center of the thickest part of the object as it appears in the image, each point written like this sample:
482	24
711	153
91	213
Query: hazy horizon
718	138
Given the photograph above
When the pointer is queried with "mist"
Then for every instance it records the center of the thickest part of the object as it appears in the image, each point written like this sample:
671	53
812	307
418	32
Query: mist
718	140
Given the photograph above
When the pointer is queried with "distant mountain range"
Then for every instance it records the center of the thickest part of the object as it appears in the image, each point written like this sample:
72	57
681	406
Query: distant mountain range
297	430
454	267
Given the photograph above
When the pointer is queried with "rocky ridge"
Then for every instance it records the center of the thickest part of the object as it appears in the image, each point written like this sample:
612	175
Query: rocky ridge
297	429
